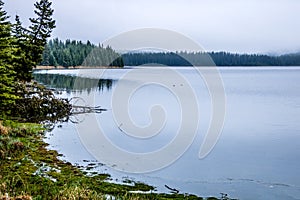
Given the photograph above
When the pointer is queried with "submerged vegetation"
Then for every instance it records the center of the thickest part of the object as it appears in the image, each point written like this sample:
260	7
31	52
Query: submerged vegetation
29	169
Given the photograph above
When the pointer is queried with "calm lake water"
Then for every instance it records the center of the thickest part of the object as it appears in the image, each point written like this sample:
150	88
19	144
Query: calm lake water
256	157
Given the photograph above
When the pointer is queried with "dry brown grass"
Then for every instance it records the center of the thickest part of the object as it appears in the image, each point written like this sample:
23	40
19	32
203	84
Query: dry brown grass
5	196
74	193
3	129
21	197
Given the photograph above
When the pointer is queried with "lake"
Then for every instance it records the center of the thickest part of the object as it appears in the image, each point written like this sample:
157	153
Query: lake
256	156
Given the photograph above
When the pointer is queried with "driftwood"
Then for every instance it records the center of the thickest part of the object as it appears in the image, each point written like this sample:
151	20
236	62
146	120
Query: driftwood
173	190
79	107
86	109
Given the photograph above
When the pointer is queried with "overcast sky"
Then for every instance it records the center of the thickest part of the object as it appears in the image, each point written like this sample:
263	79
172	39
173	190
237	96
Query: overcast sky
252	26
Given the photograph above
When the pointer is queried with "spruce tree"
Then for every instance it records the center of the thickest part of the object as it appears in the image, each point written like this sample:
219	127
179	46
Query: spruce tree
7	55
24	62
32	41
41	28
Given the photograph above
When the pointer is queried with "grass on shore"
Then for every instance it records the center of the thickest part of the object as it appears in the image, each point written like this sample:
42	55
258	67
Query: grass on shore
29	171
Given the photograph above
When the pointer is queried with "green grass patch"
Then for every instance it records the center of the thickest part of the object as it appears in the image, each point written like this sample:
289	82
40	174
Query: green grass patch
28	169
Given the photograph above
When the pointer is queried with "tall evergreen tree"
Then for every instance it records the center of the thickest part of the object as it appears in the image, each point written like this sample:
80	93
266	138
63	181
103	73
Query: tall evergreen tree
23	64
33	40
41	28
7	51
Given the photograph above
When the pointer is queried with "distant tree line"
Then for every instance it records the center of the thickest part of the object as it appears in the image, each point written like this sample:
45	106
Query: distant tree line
229	59
202	59
76	53
71	53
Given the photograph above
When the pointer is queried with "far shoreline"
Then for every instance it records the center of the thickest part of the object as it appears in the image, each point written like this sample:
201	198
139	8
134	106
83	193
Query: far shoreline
126	67
75	67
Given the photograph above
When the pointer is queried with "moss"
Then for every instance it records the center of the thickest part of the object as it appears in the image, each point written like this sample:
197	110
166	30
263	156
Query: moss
28	169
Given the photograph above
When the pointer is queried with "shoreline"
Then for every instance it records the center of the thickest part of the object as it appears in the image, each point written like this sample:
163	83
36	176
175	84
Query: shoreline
75	67
143	66
34	165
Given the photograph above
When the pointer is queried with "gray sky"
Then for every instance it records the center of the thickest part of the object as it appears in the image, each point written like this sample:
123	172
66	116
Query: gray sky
262	26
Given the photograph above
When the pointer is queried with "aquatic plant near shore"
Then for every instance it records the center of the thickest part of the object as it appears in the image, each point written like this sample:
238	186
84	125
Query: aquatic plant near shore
36	173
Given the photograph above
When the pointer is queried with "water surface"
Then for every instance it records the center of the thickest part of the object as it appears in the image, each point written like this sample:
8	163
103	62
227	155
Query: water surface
257	155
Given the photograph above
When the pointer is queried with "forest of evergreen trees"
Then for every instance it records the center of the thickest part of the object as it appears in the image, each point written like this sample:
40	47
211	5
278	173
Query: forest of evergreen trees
76	53
219	58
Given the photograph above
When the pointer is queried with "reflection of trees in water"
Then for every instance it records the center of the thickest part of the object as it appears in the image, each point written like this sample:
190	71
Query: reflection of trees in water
73	83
